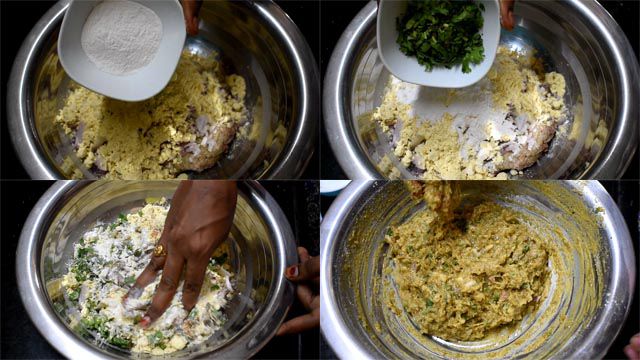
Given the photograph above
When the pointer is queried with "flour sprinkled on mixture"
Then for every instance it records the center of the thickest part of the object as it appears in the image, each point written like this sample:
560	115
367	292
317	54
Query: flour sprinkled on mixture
106	262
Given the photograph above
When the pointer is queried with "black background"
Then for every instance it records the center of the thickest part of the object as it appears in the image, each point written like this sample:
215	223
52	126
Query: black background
337	14
21	340
626	195
18	17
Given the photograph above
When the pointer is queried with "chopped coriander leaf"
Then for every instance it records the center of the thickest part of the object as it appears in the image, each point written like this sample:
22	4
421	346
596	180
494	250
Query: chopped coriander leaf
121	342
215	287
156	338
97	323
442	33
91	304
129	280
84	251
81	269
122	218
58	307
138	252
74	295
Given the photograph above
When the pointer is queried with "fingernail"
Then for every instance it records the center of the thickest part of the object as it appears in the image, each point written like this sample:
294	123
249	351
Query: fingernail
144	323
635	340
292	271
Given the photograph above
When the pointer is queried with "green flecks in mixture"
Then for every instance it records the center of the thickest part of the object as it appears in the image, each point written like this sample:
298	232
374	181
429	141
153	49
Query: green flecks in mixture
464	282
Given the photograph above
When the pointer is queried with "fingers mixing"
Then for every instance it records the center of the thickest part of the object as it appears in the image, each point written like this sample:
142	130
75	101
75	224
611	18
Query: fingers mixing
166	289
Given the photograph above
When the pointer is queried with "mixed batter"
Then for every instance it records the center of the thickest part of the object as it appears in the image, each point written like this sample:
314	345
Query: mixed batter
187	127
499	126
463	272
107	261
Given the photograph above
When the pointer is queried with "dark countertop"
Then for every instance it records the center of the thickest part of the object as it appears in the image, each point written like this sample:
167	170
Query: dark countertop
336	15
20	339
626	194
18	18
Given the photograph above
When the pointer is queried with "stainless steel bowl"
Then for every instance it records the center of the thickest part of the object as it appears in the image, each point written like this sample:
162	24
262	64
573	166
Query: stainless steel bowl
589	297
576	38
261	244
255	39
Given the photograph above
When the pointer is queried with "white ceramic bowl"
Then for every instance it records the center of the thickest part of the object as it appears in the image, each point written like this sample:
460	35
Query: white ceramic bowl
406	68
138	85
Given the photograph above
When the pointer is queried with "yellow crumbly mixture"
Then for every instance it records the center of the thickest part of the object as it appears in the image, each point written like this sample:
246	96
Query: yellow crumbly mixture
515	80
463	273
433	148
159	137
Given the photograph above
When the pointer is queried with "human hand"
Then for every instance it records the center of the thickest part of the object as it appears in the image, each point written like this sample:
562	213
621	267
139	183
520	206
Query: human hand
307	276
506	14
199	219
633	349
191	9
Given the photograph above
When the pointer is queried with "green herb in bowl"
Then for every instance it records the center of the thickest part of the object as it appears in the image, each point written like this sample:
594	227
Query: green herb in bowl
442	33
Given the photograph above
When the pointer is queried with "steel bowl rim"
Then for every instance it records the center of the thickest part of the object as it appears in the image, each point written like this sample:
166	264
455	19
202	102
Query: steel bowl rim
32	289
354	160
346	345
289	163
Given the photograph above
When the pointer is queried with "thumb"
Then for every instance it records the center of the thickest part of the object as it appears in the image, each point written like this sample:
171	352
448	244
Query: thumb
191	10
192	28
305	271
506	14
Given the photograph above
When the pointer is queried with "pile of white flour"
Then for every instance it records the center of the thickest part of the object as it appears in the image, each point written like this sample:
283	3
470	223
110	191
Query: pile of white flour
121	36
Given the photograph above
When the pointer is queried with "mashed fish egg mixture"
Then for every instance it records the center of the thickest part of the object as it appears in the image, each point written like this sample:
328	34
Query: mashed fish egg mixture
107	261
499	126
186	127
462	273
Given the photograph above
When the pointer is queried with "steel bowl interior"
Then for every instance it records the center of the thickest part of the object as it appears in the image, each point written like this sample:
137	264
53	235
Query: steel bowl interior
578	39
261	246
274	58
589	298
